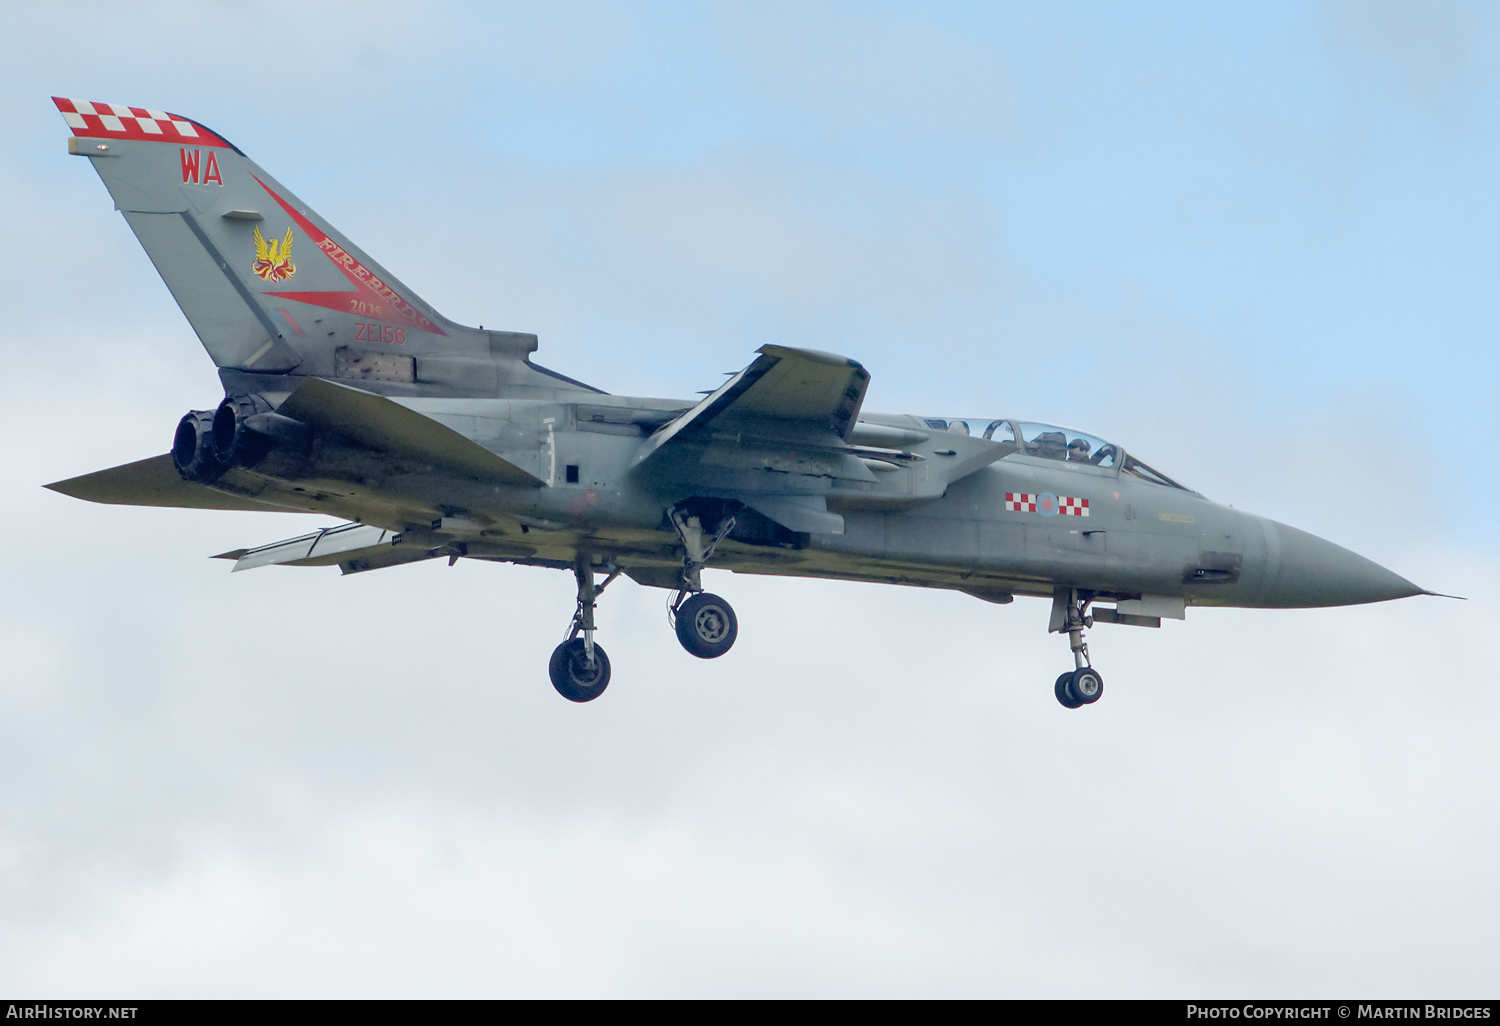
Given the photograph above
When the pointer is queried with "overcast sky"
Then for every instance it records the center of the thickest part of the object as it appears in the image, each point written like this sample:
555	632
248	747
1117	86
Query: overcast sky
1255	244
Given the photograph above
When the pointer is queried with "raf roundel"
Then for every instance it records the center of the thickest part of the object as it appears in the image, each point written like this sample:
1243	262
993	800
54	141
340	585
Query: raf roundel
1047	504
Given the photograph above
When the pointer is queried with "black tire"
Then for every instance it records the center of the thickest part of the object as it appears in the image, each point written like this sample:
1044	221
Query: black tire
706	626
1085	686
571	675
1060	689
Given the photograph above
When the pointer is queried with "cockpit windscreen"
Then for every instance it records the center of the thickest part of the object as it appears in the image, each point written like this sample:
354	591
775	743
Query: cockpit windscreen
1145	473
1051	442
1057	443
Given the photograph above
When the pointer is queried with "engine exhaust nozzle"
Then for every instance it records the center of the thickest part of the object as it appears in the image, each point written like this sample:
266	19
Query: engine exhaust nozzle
193	452
235	442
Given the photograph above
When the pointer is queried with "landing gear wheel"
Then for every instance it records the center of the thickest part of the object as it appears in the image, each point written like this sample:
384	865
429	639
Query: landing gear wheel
572	675
1086	686
706	626
1060	689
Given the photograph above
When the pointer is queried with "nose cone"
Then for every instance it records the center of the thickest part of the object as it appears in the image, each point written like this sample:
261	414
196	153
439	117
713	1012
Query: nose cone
1307	571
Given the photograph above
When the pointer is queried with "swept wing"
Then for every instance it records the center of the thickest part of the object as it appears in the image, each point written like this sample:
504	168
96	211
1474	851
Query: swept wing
389	427
784	437
155	482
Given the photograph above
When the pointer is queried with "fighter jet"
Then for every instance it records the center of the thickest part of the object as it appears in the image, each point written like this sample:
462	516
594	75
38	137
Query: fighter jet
346	394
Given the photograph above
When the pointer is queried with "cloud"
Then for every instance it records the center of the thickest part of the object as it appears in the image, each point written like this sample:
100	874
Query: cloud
289	783
1421	52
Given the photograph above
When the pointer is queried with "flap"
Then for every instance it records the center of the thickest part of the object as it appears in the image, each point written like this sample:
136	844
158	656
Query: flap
387	426
155	482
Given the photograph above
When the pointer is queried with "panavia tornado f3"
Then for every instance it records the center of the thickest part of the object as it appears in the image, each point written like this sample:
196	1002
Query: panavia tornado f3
346	394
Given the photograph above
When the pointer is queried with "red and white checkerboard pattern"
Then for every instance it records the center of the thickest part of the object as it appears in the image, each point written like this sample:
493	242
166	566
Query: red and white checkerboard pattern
1025	502
117	121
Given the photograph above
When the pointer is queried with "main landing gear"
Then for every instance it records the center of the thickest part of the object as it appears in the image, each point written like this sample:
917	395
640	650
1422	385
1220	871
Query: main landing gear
1083	685
705	624
579	668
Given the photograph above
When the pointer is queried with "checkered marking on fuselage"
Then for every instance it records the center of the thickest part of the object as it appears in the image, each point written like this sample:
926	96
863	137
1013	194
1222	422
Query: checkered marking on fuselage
117	121
1025	502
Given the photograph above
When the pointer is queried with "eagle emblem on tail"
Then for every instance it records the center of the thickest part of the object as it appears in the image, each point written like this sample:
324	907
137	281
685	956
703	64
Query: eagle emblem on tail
273	259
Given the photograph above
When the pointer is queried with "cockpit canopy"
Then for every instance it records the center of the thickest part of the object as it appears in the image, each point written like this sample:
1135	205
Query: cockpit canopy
1050	442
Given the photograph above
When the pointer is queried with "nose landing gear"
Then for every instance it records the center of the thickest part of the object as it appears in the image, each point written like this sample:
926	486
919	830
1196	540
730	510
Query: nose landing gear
1083	685
1079	687
579	668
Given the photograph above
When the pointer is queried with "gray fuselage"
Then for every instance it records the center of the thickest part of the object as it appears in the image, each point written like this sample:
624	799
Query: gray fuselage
1135	539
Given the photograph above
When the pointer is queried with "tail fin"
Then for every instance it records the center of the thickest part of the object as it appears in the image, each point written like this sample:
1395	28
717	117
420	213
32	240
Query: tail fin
267	284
